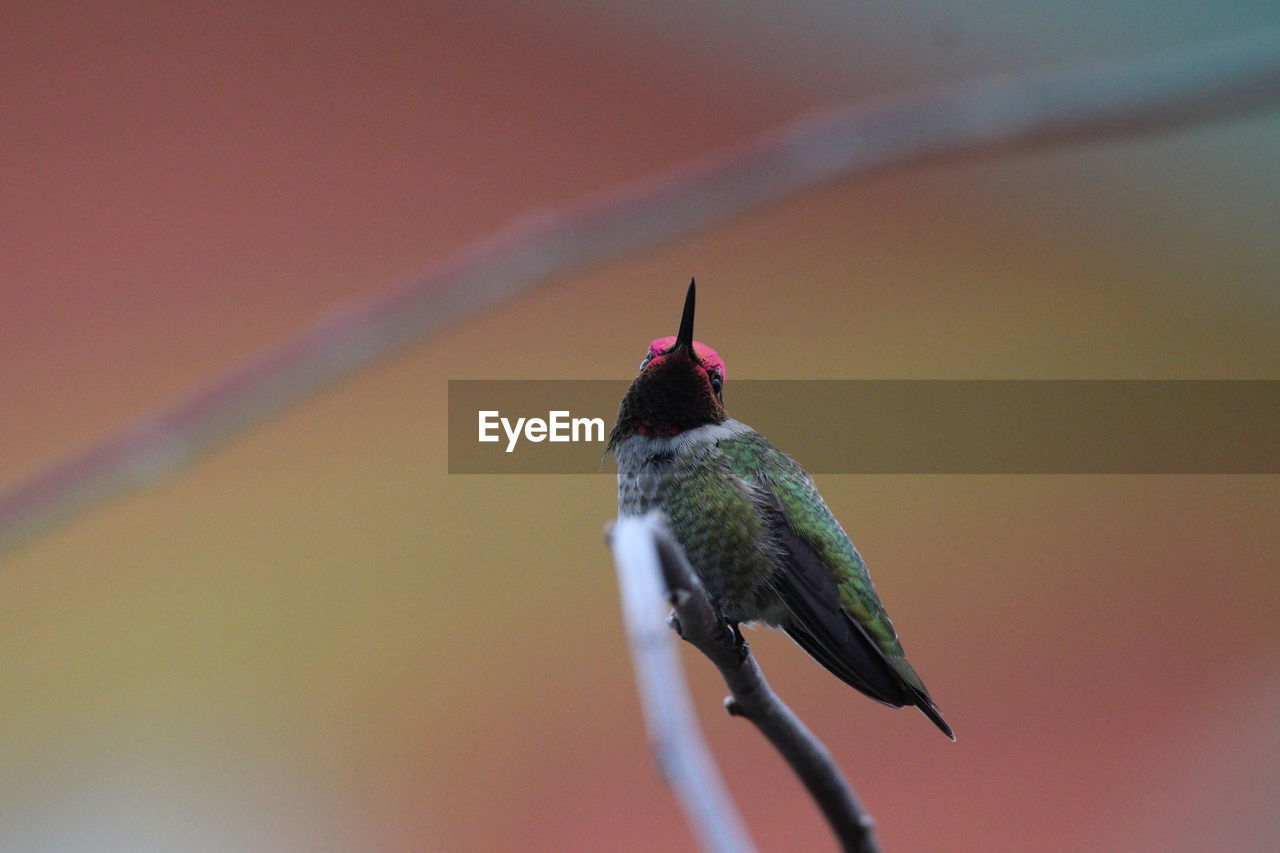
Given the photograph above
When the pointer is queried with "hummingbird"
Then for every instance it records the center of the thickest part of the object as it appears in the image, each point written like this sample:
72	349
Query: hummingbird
755	530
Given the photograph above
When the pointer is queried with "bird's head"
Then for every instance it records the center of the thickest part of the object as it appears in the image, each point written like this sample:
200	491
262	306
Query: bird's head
680	385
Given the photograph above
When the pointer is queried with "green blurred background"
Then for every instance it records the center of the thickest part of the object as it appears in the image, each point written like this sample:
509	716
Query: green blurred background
316	639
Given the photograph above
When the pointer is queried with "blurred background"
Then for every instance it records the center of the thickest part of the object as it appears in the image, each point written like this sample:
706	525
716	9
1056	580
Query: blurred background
316	639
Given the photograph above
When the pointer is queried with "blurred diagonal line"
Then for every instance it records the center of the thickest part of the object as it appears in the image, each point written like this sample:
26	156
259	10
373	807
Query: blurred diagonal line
1095	101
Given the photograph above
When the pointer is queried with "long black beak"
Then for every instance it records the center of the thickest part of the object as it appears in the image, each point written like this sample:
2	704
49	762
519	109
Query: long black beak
684	338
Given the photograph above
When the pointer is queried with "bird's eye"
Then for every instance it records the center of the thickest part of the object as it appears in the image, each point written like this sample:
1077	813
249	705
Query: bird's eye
717	382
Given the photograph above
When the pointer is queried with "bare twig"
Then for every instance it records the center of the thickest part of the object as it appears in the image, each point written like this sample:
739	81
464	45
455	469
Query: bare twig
1095	101
678	747
695	619
752	698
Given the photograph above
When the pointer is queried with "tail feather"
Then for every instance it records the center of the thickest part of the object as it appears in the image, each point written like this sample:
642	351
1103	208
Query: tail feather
930	710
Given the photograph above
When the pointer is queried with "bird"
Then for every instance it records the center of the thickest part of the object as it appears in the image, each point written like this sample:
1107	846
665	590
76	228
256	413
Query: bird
763	543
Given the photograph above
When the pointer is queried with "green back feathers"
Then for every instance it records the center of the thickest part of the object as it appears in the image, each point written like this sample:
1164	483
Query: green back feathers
753	458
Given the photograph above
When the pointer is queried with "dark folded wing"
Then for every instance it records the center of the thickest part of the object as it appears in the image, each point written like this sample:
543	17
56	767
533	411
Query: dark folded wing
821	626
824	629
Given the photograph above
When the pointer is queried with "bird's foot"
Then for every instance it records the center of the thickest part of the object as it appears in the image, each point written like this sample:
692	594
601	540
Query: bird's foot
740	646
673	622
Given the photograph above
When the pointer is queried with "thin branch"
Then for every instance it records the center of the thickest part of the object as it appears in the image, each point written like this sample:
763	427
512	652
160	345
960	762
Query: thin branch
681	753
696	620
1096	101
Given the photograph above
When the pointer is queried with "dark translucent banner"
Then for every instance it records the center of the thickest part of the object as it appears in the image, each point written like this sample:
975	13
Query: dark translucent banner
901	426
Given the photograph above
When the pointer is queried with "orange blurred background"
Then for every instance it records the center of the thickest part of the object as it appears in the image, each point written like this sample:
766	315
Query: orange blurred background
316	639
